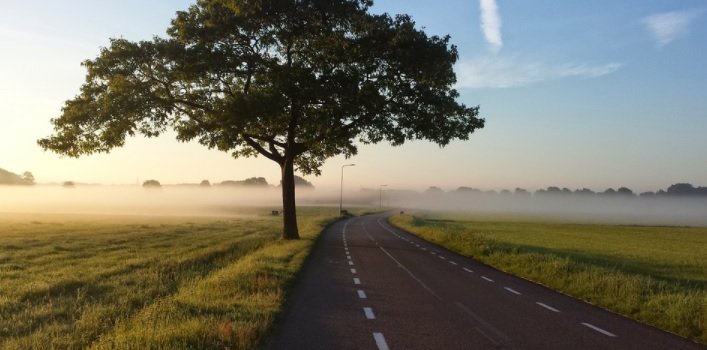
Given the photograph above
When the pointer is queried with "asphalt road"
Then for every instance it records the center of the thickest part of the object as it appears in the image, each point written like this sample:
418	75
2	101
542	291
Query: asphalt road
368	285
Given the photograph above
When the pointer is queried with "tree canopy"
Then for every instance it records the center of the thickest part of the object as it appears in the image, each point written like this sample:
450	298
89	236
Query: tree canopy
296	81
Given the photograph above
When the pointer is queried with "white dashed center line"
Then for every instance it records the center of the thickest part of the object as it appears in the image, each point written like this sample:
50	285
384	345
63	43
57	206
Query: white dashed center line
380	341
361	294
512	290
486	278
604	332
369	313
547	307
357	281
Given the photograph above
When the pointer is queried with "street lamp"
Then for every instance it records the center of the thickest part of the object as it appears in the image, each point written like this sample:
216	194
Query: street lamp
341	196
380	197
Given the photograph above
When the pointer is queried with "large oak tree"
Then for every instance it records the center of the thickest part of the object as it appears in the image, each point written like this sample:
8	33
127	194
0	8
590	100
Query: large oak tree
296	81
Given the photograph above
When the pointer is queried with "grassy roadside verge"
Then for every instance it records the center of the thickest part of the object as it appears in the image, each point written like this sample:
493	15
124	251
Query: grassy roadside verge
655	275
125	283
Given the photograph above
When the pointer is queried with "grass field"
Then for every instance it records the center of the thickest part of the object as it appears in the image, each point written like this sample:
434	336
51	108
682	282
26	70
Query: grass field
127	282
654	274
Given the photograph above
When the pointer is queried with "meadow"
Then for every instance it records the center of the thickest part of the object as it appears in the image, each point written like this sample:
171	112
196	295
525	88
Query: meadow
655	274
139	282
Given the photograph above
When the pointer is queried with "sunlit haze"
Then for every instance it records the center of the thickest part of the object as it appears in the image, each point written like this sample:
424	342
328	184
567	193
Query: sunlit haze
575	94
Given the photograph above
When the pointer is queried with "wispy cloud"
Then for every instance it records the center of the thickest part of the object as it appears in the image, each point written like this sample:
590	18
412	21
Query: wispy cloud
494	72
491	23
668	26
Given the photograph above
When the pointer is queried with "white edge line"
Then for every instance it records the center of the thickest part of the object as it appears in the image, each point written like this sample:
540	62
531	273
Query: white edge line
357	280
467	270
486	278
547	306
607	333
453	263
380	341
353	270
369	313
361	294
512	290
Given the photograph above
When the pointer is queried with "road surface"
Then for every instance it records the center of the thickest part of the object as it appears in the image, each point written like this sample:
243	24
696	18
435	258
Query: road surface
369	285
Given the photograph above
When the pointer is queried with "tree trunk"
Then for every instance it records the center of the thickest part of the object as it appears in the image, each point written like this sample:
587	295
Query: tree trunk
289	208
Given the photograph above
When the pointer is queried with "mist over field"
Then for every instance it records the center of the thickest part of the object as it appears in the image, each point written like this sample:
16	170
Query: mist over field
225	200
618	209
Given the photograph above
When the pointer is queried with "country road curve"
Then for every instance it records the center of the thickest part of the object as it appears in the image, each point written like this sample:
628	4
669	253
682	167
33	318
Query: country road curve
368	285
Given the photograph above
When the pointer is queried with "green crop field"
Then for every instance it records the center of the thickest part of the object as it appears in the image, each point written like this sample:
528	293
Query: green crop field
657	275
128	282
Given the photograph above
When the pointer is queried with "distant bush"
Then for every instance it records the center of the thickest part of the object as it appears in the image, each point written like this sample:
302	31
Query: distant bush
249	182
69	184
205	183
151	184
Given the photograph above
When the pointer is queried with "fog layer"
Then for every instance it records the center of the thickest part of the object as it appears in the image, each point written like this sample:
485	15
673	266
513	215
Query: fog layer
225	200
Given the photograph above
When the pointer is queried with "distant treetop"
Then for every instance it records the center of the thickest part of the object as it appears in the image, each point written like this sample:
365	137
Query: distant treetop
10	178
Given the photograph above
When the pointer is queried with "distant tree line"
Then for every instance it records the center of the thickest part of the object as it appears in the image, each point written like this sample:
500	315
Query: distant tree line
9	178
675	190
251	182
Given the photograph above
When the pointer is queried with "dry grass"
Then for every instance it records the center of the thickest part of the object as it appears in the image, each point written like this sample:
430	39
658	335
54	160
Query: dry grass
76	282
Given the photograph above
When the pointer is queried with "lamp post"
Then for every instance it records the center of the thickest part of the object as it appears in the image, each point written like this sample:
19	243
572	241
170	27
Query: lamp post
341	195
380	197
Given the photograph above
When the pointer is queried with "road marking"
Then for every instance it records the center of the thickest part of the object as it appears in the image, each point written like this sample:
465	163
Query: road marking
380	341
369	313
513	291
350	262
357	281
425	249
500	340
547	306
443	258
486	278
368	234
467	270
433	253
343	232
353	270
411	274
607	333
453	263
361	294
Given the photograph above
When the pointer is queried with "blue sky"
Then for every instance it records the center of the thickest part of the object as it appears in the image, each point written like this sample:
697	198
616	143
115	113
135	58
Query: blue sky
575	93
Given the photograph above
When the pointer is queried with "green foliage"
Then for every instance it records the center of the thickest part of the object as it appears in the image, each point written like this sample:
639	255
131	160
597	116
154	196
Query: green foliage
295	81
82	282
653	274
299	80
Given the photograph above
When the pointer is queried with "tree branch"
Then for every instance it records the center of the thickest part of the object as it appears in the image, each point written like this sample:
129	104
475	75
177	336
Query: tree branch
252	143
